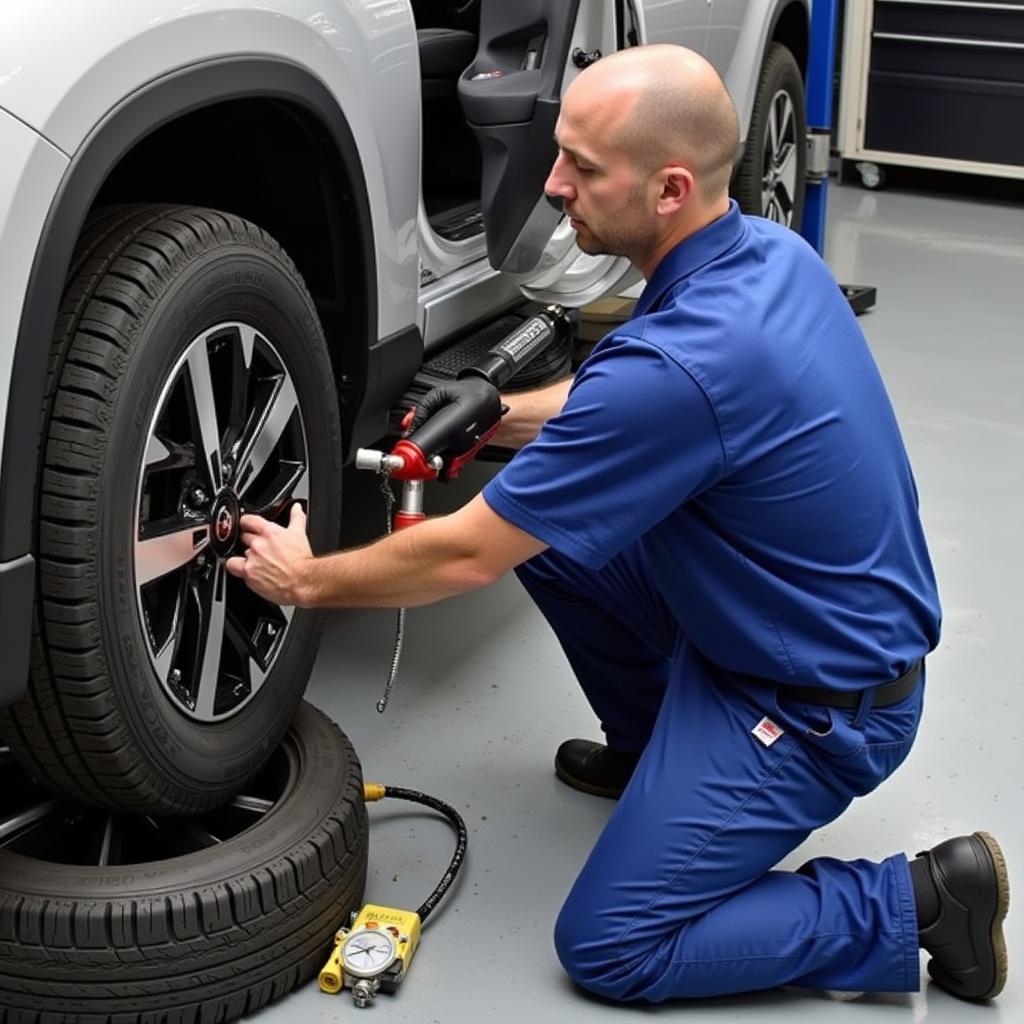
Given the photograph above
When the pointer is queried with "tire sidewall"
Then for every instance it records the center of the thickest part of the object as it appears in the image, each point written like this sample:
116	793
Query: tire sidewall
323	777
233	282
221	930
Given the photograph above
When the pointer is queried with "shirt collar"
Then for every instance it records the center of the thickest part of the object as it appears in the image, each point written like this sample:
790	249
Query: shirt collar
692	253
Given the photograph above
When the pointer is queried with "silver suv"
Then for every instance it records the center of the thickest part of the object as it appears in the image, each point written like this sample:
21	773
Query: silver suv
234	236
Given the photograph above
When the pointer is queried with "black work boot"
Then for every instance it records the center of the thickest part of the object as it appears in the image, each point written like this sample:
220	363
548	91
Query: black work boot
594	768
963	929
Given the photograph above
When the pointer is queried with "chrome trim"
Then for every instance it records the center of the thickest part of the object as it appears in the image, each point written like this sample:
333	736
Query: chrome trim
966	4
977	44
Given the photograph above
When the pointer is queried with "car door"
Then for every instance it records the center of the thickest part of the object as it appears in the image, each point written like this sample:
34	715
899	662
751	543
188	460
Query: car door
528	54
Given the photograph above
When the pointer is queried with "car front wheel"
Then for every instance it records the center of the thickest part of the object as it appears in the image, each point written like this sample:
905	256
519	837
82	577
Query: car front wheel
189	383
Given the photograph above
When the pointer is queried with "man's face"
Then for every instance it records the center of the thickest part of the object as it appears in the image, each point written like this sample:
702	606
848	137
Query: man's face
609	201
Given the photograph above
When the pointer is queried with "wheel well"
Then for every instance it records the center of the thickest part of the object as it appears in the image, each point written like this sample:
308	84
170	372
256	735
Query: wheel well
270	161
793	31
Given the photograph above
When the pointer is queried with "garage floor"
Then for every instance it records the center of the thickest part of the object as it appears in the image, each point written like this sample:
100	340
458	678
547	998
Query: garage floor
484	696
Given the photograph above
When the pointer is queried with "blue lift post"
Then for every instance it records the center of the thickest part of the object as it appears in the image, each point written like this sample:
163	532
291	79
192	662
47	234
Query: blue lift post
821	66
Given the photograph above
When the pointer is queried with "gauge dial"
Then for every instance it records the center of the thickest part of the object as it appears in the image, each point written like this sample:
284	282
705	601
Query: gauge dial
368	952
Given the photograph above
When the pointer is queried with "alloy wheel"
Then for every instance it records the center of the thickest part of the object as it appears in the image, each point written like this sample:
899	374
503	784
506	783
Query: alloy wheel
780	164
227	437
40	826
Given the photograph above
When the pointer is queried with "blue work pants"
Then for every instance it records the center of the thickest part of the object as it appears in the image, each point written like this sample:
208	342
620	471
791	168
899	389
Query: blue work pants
678	897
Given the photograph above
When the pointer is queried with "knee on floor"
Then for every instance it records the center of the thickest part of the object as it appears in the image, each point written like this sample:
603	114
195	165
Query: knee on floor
600	961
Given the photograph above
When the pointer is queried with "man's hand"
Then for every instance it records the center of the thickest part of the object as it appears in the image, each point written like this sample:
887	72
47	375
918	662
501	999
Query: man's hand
276	557
453	416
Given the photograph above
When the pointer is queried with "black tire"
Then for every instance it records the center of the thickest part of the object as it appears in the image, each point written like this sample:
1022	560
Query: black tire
155	689
206	936
770	179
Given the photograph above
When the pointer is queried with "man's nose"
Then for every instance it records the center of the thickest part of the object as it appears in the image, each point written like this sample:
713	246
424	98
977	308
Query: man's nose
557	186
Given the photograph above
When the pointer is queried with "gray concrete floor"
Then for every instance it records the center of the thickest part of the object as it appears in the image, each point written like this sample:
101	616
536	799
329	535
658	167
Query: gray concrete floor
484	696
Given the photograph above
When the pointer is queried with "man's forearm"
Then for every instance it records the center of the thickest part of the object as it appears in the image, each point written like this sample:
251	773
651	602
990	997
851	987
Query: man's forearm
436	559
409	568
528	412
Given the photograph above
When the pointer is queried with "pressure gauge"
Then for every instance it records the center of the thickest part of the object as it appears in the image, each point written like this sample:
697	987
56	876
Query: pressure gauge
368	952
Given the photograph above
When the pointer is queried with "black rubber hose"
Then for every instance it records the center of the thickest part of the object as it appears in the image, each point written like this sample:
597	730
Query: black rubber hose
427	908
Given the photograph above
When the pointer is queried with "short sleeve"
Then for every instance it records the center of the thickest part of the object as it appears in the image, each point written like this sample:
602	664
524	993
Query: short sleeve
636	438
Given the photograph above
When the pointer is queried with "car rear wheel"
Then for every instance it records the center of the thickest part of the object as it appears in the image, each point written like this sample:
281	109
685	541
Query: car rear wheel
189	382
770	179
149	920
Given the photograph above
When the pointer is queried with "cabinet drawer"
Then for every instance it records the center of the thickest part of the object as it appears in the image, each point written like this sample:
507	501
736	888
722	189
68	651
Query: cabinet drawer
948	57
960	119
984	20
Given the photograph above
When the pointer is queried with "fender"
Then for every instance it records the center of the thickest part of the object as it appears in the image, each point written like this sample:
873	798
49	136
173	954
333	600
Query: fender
750	52
140	113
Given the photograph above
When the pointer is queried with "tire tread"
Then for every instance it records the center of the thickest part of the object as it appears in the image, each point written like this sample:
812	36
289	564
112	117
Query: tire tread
136	959
56	730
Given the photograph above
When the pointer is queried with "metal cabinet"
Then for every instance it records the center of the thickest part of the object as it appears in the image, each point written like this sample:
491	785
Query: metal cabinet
934	83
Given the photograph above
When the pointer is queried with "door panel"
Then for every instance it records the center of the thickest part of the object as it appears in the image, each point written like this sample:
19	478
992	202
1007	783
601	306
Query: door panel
511	96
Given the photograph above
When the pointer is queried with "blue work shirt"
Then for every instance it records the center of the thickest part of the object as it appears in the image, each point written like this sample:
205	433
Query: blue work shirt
737	429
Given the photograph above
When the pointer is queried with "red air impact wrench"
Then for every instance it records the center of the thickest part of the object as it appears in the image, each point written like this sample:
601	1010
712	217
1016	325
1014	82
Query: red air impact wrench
451	424
467	415
455	420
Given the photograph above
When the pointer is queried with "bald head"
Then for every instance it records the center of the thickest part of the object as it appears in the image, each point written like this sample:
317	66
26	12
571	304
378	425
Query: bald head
666	104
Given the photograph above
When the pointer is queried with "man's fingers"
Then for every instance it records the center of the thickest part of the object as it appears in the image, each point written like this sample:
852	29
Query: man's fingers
254	524
235	566
297	517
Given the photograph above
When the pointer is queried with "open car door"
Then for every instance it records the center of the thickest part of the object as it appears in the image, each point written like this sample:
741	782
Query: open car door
529	51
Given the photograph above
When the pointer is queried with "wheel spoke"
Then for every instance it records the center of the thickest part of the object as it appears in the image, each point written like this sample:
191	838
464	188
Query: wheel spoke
107	842
245	644
782	122
156	556
266	432
211	642
773	132
15	824
241	363
252	803
157	453
164	658
203	838
784	201
204	411
787	161
290	485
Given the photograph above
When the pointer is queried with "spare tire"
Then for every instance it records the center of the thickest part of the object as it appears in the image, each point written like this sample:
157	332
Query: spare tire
245	913
189	381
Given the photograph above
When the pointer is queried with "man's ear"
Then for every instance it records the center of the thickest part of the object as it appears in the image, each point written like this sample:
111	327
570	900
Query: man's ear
677	185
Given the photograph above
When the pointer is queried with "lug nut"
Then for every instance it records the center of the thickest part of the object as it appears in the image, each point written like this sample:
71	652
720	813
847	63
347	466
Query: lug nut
197	497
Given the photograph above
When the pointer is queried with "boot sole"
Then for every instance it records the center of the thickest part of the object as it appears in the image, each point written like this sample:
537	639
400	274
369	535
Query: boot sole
992	931
586	787
1002	906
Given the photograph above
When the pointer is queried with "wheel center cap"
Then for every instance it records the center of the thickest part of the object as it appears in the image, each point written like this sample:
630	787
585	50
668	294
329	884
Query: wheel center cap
224	528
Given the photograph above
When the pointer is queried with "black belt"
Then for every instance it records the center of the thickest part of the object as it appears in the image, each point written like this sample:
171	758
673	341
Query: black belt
882	696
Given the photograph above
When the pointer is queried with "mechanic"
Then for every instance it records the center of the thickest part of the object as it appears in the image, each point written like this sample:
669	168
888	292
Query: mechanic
718	519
